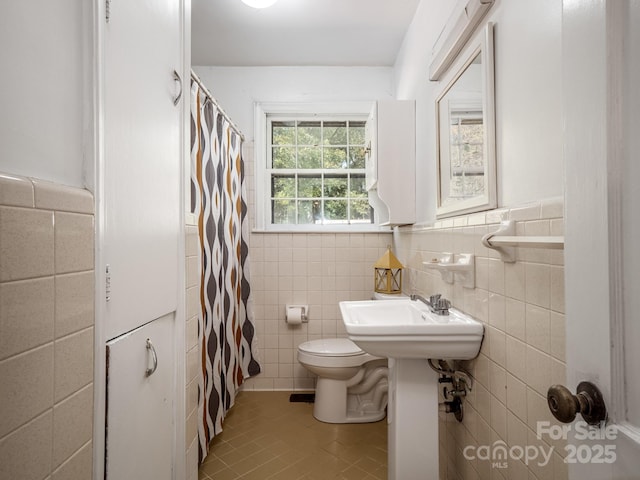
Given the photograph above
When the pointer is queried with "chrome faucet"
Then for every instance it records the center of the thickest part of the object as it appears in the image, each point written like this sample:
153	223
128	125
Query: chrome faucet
437	304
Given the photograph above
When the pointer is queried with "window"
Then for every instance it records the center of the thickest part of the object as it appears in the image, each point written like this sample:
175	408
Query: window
313	175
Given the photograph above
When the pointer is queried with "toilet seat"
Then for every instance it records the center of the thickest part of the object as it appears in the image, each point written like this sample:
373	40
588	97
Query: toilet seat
333	352
331	347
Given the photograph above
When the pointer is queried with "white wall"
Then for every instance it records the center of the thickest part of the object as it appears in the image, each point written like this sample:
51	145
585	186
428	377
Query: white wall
237	88
528	98
44	50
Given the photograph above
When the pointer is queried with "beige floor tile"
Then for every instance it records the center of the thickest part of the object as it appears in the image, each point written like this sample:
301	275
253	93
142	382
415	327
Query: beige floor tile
267	437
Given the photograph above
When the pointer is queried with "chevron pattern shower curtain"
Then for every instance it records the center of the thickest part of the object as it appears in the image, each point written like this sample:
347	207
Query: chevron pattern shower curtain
226	333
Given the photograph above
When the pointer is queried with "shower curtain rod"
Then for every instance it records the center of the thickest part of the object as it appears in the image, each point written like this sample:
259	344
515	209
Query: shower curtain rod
213	100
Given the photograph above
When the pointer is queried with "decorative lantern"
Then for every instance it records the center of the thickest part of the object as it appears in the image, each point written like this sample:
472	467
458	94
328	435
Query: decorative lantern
387	277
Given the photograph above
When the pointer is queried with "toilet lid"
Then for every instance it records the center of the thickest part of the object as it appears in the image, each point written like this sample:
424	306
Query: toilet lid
331	347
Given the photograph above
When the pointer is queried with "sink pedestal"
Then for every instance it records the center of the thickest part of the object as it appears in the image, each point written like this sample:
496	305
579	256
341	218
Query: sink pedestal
413	420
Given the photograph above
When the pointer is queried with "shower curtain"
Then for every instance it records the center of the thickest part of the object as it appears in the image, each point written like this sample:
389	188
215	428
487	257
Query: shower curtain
218	198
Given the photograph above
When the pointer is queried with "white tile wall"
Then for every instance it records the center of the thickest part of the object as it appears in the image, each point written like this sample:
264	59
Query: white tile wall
319	270
522	307
46	330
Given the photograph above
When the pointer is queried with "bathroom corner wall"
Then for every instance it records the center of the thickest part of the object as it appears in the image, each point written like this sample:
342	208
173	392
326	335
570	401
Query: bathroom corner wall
46	330
521	305
192	277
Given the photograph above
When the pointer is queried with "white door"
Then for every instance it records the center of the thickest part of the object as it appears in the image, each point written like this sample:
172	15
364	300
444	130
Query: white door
142	160
140	388
601	58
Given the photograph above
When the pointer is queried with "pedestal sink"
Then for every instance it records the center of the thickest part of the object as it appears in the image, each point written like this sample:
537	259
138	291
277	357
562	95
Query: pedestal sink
408	333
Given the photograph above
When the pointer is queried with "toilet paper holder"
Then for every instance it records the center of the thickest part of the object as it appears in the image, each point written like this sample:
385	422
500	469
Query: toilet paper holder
304	312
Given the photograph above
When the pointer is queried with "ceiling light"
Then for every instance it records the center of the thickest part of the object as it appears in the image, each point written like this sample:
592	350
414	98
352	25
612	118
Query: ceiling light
259	3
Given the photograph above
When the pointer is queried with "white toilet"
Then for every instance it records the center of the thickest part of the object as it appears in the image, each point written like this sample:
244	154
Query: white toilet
352	385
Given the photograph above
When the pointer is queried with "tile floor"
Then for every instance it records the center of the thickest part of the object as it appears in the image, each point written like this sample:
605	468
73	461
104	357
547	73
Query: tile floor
267	437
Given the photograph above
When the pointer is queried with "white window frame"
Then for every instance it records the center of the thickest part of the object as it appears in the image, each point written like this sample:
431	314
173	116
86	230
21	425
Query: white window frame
346	110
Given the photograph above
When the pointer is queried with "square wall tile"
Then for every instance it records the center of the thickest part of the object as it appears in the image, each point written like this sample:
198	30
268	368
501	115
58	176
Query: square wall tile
496	276
72	424
74	249
26	315
514	277
26	243
73	360
192	267
193	365
556	301
537	327
515	324
16	191
74	309
498	382
78	467
27	385
192	241
558	336
53	196
538	284
516	358
517	397
26	453
538	370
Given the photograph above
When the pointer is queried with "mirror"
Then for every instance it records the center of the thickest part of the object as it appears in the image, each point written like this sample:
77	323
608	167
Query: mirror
465	124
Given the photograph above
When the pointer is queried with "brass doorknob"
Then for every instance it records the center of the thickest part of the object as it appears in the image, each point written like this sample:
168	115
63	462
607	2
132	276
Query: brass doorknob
587	401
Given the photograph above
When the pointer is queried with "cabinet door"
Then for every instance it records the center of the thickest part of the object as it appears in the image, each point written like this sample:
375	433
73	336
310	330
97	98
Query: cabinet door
371	155
139	403
142	45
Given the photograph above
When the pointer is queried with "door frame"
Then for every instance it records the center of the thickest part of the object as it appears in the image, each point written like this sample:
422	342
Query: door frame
593	97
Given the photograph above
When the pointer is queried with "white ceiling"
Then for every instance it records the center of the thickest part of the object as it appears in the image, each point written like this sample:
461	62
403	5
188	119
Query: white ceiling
299	32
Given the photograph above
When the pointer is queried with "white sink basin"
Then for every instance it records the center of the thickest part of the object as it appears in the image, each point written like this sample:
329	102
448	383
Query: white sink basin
408	329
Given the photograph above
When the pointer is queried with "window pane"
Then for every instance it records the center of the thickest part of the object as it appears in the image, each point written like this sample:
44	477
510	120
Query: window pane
471	155
283	133
335	186
283	186
473	185
309	211
309	157
335	157
309	187
356	133
361	211
335	211
283	211
335	133
309	133
455	156
473	133
358	188
284	157
356	157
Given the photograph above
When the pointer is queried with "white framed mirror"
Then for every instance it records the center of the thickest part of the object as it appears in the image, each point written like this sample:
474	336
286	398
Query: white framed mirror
465	131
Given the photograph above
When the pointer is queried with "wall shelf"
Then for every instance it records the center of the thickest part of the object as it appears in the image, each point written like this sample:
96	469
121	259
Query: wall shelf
505	240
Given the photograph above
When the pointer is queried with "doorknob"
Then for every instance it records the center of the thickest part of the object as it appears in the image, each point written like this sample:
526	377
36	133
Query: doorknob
587	401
